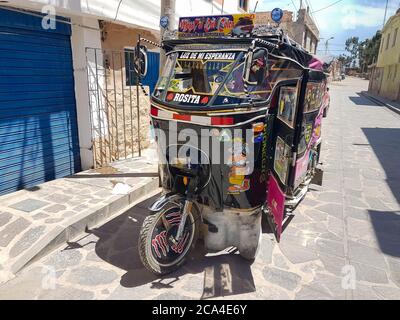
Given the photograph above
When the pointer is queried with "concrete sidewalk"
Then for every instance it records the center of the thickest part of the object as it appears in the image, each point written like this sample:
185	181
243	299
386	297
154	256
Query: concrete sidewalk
392	105
35	221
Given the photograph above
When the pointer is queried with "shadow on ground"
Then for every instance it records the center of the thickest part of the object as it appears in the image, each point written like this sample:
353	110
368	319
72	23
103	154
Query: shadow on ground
385	144
386	226
224	274
361	100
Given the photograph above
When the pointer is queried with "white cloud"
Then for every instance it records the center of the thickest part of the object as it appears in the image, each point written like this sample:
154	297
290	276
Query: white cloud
342	17
354	16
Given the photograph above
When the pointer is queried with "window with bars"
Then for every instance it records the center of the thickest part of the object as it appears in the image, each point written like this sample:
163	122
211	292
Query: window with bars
131	74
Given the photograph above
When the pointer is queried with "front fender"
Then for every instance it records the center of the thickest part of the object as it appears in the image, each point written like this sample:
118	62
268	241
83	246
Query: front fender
164	200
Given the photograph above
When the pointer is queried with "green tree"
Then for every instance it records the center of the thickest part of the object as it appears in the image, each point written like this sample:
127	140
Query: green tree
345	60
352	46
369	50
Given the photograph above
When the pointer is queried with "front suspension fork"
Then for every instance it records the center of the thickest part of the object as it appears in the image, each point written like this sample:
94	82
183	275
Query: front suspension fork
187	207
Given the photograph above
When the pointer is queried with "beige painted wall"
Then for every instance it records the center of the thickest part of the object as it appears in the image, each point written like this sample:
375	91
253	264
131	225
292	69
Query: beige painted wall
389	59
117	37
120	108
295	29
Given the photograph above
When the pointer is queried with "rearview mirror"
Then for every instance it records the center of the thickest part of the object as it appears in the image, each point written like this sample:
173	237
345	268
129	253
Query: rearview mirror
141	61
255	67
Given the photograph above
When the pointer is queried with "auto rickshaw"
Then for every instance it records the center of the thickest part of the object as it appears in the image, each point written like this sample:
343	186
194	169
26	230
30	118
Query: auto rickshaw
237	120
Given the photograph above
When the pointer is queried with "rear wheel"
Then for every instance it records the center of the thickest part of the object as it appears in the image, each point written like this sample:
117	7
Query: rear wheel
156	250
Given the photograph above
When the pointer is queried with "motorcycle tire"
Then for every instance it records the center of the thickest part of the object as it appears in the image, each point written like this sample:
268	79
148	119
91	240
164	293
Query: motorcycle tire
152	251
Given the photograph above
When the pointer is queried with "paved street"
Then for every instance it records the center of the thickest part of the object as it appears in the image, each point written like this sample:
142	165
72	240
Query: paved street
343	243
36	220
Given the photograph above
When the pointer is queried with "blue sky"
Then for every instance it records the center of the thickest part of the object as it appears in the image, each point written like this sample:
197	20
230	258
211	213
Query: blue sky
361	18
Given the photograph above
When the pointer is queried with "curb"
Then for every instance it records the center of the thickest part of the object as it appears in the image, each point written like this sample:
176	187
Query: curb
77	225
379	102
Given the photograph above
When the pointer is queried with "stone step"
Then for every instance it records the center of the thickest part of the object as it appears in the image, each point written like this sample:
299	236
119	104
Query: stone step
35	222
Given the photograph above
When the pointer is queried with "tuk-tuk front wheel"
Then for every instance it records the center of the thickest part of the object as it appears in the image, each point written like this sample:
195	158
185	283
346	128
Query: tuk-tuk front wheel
157	250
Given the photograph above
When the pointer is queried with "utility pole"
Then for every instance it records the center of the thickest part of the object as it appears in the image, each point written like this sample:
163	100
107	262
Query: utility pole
327	45
167	10
255	7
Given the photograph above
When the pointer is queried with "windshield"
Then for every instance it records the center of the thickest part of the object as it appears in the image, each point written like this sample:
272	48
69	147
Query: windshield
194	78
234	86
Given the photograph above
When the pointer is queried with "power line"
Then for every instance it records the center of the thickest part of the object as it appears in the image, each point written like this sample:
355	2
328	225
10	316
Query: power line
329	49
386	9
308	3
337	44
295	8
311	14
332	4
116	14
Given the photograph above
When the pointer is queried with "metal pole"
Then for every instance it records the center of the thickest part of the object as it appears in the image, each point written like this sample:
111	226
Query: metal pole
98	107
115	107
168	10
384	19
123	102
326	45
130	98
93	147
255	7
107	104
137	92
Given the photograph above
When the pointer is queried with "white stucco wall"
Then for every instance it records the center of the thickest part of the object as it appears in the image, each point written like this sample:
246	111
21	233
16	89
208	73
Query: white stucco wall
82	38
144	13
84	16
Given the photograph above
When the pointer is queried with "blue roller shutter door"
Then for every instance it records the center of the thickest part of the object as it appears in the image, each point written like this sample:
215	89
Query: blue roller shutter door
38	126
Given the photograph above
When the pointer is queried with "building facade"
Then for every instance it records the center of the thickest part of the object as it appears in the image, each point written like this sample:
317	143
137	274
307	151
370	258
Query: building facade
303	29
385	74
65	68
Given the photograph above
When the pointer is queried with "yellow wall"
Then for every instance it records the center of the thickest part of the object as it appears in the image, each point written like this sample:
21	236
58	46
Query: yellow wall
389	60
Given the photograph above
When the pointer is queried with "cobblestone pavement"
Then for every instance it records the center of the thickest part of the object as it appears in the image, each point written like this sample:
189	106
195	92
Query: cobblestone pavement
34	221
348	229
